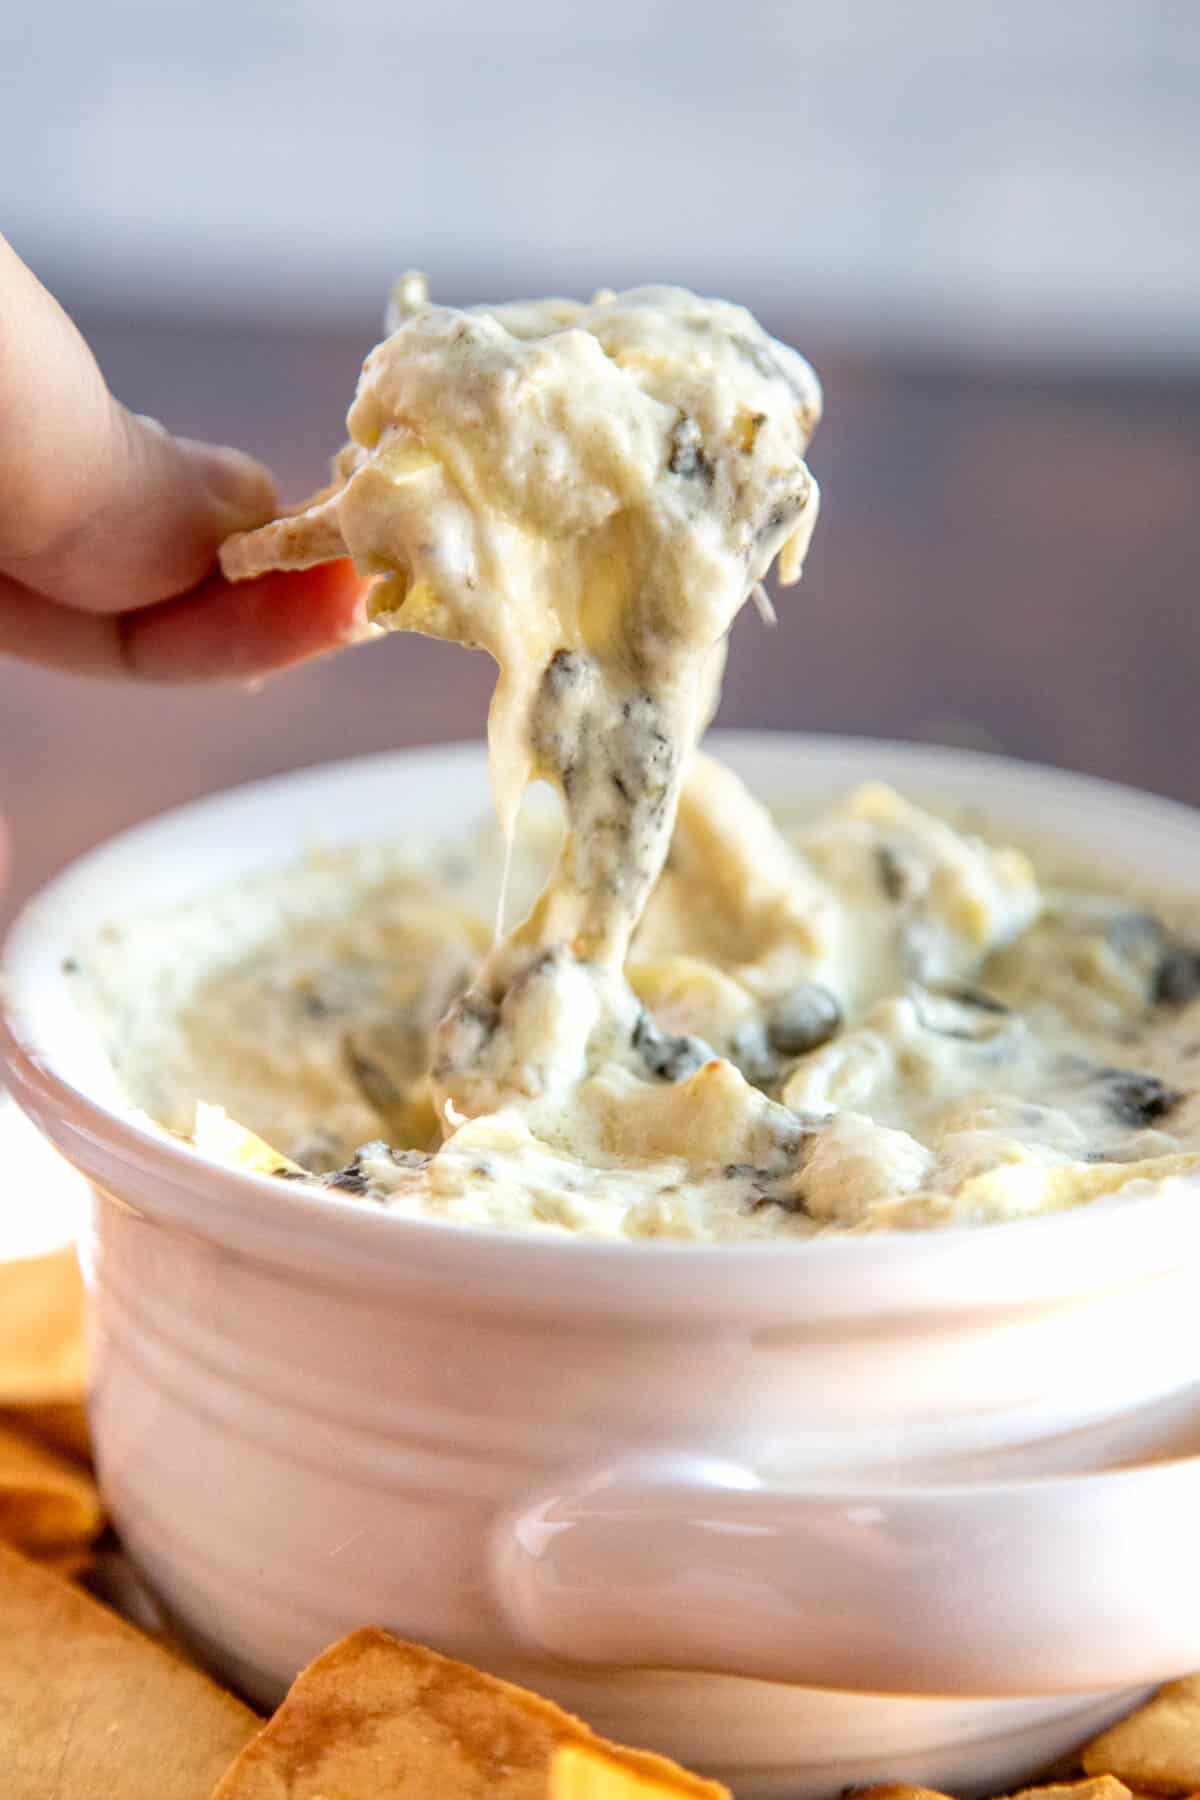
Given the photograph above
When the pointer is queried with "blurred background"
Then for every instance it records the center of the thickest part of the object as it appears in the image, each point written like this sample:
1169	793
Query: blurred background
980	222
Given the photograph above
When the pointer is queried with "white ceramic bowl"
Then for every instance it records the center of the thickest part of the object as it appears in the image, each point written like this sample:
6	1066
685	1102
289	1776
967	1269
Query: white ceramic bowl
913	1507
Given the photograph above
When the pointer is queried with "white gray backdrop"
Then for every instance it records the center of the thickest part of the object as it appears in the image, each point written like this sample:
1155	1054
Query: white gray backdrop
1023	177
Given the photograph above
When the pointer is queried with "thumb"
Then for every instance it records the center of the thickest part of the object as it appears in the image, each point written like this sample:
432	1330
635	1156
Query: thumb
99	508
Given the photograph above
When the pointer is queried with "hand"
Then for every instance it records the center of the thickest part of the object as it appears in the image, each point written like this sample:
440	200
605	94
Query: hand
109	526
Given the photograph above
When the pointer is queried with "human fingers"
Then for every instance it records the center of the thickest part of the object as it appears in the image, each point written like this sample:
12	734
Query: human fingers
215	632
101	509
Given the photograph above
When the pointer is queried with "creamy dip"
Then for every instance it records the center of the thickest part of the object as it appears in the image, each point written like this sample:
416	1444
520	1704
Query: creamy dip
872	1018
882	1021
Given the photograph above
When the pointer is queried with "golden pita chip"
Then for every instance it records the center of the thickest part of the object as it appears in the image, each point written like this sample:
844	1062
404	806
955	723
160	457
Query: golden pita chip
92	1710
1095	1787
41	1330
72	1564
47	1501
377	1719
63	1424
899	1790
581	1772
303	536
1156	1749
1100	1787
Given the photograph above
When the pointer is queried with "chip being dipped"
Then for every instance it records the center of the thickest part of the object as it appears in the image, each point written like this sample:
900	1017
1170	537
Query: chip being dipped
374	1718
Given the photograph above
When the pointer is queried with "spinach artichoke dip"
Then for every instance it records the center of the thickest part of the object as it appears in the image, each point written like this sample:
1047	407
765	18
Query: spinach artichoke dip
704	1026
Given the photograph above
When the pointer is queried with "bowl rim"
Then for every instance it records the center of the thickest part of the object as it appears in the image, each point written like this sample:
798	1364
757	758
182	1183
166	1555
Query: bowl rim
91	1132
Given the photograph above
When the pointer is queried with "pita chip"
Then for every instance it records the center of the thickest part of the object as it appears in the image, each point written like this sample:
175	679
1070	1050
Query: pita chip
377	1719
61	1423
41	1330
48	1502
89	1708
1096	1787
1157	1749
899	1790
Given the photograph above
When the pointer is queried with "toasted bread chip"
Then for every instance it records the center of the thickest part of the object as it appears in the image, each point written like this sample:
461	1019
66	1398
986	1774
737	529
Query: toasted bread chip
91	1708
377	1719
72	1564
587	1772
1093	1787
1098	1787
1156	1749
62	1423
48	1502
42	1350
299	539
41	1330
899	1790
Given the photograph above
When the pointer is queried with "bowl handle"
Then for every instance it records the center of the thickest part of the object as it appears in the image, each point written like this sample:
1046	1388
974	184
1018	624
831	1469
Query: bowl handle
1036	1587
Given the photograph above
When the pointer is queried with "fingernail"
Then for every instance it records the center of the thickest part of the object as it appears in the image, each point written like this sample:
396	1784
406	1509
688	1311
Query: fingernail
241	485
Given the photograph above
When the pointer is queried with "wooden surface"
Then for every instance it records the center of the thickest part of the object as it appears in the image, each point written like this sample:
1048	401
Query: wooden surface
1002	558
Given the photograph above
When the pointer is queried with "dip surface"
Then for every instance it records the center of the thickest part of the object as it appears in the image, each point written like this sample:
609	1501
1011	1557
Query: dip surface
938	1036
885	1022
